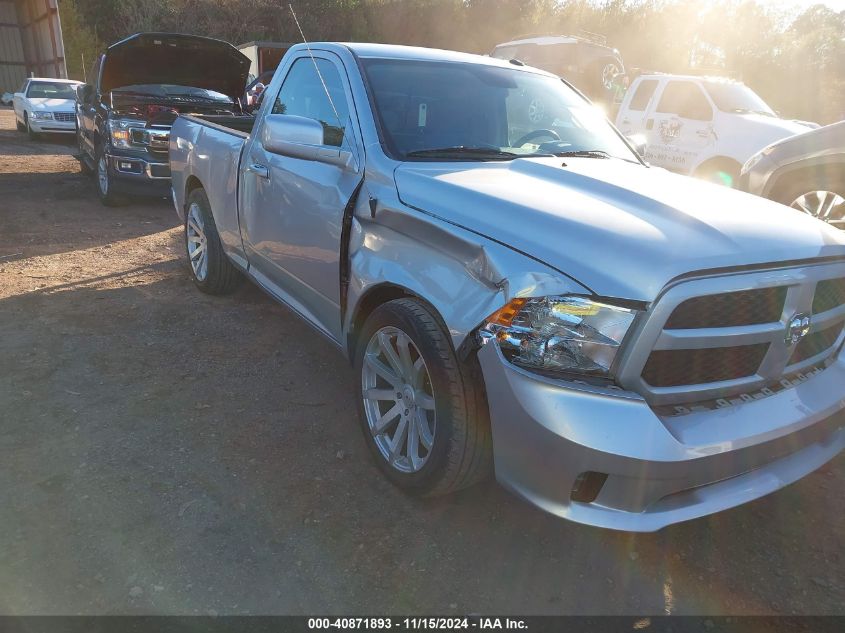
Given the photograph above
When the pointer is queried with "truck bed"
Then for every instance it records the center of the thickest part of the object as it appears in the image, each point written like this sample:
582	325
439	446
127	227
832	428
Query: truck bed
242	123
219	142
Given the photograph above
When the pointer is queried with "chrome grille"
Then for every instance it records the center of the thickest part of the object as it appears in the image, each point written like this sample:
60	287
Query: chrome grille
64	117
714	337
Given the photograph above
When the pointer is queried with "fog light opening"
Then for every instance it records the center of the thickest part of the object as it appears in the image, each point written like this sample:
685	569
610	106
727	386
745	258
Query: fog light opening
587	486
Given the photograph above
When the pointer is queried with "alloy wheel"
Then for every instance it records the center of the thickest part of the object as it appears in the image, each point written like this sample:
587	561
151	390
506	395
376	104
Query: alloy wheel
103	176
197	243
824	205
398	399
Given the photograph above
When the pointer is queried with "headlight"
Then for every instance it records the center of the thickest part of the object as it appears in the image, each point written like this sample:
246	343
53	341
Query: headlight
571	335
750	163
42	116
121	135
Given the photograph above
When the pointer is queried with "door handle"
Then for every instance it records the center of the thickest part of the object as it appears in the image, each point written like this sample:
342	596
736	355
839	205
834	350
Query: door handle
649	124
262	171
626	121
703	133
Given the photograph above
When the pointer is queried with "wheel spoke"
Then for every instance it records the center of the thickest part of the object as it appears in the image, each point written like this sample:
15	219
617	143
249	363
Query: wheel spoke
403	343
379	394
193	225
387	349
194	239
382	370
398	439
198	251
418	373
424	400
384	421
827	205
413	444
424	432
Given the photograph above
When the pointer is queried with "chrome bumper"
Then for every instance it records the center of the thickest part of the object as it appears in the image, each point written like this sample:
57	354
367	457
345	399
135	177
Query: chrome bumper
659	470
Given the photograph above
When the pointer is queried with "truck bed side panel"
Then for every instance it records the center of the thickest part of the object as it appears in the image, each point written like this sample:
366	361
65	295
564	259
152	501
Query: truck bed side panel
207	154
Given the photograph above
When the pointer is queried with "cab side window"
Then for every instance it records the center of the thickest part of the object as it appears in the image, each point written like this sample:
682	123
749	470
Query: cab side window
304	94
685	99
643	95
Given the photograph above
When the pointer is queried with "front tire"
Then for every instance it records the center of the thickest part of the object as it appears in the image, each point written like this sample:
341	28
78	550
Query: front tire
105	185
211	270
32	134
20	126
422	410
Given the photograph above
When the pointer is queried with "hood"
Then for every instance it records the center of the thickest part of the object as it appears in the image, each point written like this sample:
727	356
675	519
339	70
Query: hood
621	229
771	127
181	60
46	104
824	140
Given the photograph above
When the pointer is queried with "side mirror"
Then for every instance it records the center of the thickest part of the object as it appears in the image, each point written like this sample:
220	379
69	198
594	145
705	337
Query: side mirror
638	142
84	93
300	137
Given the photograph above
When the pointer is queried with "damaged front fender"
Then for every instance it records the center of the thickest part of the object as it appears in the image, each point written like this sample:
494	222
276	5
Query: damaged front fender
464	276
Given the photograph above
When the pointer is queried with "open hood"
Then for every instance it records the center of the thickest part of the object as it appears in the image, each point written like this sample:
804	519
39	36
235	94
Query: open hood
180	60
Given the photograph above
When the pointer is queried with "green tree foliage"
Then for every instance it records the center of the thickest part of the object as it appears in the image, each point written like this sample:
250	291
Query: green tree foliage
796	61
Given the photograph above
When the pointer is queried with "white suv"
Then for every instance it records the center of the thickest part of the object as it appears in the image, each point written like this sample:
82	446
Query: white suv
702	126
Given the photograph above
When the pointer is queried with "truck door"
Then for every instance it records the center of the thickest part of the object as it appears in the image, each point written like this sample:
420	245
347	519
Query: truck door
634	110
292	208
680	130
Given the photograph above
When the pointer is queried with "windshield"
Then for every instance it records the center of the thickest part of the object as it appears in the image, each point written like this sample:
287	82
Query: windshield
51	90
171	91
447	110
730	97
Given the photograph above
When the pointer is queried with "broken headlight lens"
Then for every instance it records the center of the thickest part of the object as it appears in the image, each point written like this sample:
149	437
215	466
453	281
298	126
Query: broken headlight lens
570	334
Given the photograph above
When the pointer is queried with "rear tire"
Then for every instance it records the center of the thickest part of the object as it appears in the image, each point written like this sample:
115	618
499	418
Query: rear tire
211	270
425	379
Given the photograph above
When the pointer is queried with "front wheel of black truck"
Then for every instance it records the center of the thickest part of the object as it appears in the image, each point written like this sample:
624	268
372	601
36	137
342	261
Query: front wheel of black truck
105	185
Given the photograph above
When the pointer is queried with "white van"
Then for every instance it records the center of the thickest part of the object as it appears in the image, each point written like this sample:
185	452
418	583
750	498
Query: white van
701	126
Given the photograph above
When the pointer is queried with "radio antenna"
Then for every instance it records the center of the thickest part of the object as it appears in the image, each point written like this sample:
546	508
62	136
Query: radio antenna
314	61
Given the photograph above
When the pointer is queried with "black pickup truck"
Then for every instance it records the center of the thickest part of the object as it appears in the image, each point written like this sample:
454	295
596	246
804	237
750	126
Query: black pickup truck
141	84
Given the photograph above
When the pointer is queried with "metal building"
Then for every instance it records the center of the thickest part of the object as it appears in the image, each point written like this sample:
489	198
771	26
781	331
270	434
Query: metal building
30	42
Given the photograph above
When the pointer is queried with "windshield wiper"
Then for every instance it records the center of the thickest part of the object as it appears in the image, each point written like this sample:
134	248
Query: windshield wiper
584	153
461	151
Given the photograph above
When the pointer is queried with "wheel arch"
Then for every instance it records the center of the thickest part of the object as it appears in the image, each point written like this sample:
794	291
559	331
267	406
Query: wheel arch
784	180
731	165
374	297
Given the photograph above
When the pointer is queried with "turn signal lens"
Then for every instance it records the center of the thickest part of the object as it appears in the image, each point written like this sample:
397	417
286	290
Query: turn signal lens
506	315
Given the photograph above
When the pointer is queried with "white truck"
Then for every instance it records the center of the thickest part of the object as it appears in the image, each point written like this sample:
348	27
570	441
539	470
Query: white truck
620	344
700	126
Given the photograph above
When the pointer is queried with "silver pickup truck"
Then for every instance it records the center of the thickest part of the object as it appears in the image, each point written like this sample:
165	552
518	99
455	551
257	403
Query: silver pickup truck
518	291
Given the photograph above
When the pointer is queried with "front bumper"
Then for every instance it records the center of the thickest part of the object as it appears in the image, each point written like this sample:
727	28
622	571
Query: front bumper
51	126
139	175
660	470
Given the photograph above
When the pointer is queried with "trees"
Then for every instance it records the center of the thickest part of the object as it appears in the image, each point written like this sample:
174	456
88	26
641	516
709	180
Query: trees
797	62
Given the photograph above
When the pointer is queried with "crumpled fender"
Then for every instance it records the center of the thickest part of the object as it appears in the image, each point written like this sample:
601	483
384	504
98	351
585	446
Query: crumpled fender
464	276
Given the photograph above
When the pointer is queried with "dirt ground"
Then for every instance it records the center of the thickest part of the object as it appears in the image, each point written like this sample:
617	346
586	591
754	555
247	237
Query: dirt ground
164	452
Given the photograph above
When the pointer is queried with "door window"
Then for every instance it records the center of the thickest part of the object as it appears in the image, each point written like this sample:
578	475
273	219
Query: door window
685	99
306	93
643	95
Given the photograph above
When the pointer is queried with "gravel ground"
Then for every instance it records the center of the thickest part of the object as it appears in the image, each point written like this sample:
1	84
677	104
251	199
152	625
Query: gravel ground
163	452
